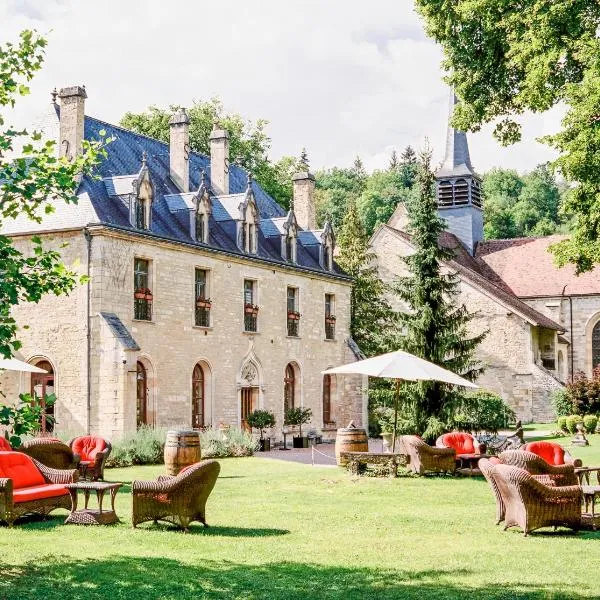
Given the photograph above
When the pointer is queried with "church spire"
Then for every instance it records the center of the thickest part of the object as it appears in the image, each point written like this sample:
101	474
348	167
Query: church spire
457	160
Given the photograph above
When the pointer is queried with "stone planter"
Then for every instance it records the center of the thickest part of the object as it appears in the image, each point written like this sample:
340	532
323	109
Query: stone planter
387	442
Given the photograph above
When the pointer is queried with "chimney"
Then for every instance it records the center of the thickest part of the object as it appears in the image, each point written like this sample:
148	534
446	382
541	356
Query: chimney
72	116
219	161
304	200
179	150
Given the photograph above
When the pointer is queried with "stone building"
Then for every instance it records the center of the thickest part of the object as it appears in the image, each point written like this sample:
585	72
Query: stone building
543	322
205	301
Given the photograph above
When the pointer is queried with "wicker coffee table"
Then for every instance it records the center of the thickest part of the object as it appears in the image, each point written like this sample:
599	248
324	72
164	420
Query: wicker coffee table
590	492
92	516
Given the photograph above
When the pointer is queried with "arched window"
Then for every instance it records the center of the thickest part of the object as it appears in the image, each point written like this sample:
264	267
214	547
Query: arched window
198	397
327	399
289	388
142	395
596	345
42	385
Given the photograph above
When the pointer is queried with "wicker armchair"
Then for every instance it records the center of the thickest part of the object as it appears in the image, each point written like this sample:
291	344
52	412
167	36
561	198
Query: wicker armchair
29	487
51	453
425	458
93	451
552	453
178	499
463	443
556	475
530	504
486	467
5	445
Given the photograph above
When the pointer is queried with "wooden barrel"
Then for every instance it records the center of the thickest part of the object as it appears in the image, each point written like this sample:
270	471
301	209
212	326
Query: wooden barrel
350	439
182	449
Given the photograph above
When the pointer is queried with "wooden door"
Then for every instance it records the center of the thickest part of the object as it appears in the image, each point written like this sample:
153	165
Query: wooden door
249	403
42	385
142	395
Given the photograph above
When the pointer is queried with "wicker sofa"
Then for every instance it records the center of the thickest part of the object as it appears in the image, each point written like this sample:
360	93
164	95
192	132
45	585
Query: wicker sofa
425	458
178	499
51	452
557	475
552	453
93	452
29	487
530	504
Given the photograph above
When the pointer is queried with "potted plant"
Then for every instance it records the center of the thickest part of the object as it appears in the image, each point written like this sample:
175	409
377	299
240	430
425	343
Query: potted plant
293	315
298	416
203	302
261	420
330	319
251	309
139	294
385	418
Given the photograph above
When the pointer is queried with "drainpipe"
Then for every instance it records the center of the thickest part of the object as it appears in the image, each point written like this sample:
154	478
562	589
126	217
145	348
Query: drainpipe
570	329
88	238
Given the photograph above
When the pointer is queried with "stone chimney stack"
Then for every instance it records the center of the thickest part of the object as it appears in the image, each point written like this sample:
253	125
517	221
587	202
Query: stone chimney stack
179	150
219	161
304	200
72	116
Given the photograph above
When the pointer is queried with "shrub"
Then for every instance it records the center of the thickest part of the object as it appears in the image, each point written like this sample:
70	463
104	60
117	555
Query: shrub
584	393
142	447
590	423
232	442
298	416
562	402
561	422
482	411
572	421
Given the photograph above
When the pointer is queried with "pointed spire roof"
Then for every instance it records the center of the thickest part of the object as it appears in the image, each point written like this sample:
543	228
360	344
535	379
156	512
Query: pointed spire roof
457	160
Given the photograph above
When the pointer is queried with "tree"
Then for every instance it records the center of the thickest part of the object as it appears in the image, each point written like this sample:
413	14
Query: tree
27	186
408	166
249	143
435	328
358	169
372	321
394	162
334	188
505	58
409	156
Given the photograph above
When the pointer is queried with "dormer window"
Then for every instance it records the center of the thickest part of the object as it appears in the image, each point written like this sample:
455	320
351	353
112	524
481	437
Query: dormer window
201	211
327	257
327	245
290	248
248	223
201	227
140	207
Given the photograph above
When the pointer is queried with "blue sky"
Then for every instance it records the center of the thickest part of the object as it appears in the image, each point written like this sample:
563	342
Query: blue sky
341	77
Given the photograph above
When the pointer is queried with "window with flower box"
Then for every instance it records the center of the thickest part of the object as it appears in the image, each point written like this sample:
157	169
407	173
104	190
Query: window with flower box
329	317
293	315
250	306
143	297
203	302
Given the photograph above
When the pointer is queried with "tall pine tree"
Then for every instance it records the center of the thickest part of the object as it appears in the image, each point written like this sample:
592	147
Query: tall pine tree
434	327
372	319
394	162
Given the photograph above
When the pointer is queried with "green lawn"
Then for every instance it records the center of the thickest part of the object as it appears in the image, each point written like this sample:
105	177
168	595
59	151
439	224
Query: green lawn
289	531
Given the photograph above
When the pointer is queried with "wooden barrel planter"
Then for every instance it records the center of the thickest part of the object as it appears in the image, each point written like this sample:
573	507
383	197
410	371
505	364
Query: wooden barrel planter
350	439
182	449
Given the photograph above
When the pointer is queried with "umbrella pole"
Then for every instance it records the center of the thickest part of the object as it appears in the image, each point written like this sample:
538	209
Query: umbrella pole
396	399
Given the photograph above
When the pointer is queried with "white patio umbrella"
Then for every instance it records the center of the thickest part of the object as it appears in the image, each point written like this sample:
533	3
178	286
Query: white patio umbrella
401	366
14	364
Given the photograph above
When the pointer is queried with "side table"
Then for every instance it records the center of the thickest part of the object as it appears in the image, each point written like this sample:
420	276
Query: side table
590	492
92	516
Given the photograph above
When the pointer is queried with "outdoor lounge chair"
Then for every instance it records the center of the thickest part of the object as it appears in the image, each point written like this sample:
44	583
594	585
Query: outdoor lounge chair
530	504
552	453
425	458
50	452
463	443
486	466
27	486
4	445
93	452
178	499
557	475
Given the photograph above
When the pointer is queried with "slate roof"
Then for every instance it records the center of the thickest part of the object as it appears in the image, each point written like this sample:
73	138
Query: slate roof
527	269
100	201
472	275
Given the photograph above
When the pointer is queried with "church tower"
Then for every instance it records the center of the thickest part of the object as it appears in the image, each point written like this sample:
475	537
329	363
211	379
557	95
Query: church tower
459	189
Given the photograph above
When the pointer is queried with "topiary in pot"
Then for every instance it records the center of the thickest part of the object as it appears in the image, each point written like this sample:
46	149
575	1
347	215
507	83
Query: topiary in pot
261	420
561	423
590	422
298	416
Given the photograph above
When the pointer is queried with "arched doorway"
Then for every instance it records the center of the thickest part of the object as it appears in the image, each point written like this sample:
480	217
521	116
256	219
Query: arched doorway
289	388
327	399
596	345
42	385
141	395
198	397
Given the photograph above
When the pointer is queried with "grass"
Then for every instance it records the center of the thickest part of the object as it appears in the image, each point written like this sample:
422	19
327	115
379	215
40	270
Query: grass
287	531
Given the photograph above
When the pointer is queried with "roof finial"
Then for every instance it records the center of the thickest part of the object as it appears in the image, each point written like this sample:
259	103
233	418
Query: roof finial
249	180
202	177
144	158
303	164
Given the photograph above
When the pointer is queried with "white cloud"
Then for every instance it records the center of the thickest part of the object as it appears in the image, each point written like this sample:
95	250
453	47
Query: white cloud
340	77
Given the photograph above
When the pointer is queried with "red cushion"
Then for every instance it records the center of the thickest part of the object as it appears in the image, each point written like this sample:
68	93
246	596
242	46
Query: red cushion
38	492
461	442
20	468
552	453
88	446
4	445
